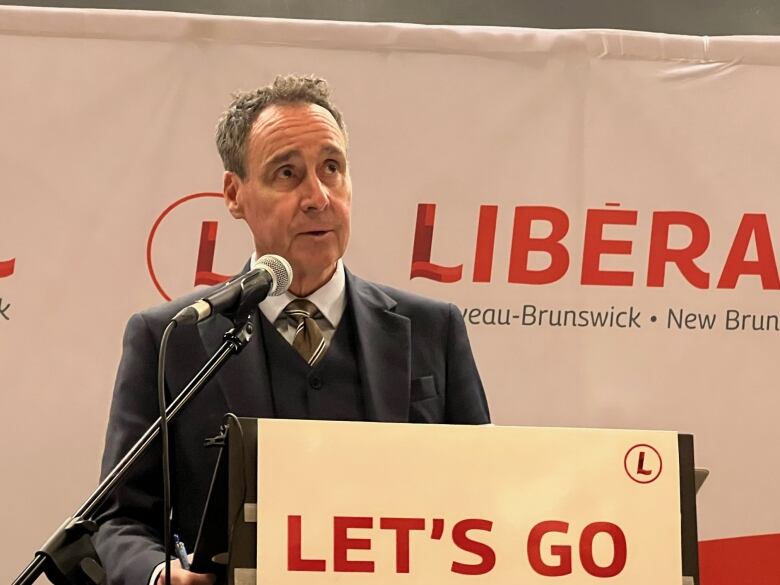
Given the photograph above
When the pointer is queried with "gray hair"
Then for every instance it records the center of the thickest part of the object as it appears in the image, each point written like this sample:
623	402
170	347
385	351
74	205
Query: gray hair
234	125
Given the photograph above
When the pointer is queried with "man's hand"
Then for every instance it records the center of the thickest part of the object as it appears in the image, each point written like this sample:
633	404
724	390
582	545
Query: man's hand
180	576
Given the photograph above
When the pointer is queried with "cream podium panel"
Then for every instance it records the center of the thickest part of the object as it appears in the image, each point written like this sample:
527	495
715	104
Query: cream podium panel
402	503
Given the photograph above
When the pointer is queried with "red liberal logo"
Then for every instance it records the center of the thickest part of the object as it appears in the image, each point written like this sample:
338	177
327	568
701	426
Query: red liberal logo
185	236
643	463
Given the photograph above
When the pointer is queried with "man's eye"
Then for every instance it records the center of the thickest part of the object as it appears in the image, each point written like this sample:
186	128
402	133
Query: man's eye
332	166
286	173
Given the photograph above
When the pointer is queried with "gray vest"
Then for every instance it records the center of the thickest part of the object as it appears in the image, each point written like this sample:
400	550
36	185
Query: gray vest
328	391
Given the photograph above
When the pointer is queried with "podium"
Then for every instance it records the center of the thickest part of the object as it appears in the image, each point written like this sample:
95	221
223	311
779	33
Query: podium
432	503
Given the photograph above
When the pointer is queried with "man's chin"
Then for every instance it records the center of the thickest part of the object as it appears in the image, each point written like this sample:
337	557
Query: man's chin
312	275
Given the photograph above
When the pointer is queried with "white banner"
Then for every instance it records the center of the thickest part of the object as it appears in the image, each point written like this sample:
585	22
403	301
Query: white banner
602	206
390	503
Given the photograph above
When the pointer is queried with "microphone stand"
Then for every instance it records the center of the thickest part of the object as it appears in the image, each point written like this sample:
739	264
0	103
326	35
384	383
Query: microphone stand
68	556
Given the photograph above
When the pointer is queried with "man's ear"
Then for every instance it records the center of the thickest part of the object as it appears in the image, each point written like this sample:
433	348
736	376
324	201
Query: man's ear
231	187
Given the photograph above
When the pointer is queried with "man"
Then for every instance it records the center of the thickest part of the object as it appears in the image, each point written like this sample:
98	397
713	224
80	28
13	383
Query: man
350	350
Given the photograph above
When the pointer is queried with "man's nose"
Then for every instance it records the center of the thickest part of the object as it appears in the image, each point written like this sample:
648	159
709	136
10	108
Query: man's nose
315	196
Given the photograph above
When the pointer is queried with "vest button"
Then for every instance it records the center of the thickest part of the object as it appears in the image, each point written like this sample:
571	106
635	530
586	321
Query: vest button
315	382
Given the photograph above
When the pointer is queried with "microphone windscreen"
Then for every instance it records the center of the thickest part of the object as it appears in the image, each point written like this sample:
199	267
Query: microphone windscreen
280	270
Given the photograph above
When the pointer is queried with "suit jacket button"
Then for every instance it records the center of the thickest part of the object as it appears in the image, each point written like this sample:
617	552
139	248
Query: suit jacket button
315	382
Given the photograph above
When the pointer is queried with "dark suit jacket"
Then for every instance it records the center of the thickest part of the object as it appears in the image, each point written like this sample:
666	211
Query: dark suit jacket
415	365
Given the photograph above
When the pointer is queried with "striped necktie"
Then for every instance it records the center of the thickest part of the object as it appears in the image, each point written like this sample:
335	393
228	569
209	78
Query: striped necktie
309	340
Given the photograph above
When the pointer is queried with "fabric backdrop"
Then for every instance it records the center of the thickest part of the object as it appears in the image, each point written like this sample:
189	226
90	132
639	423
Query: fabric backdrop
602	205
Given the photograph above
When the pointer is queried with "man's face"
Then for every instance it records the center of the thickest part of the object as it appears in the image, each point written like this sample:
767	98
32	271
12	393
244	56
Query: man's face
297	192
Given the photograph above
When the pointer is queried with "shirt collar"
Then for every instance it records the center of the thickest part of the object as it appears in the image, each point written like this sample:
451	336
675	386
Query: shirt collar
330	298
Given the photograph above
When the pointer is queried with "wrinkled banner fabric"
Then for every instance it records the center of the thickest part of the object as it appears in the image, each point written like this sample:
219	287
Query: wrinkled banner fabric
601	205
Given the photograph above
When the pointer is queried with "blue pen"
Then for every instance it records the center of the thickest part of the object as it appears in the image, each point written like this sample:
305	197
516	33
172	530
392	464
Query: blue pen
181	552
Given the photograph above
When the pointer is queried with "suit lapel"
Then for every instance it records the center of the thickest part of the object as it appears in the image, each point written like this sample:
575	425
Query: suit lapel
243	379
384	358
384	353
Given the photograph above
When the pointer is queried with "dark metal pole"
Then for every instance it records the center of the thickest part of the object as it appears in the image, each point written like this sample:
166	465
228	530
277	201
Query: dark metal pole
63	557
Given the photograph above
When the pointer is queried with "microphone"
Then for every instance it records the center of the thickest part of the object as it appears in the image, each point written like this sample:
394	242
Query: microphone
270	275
